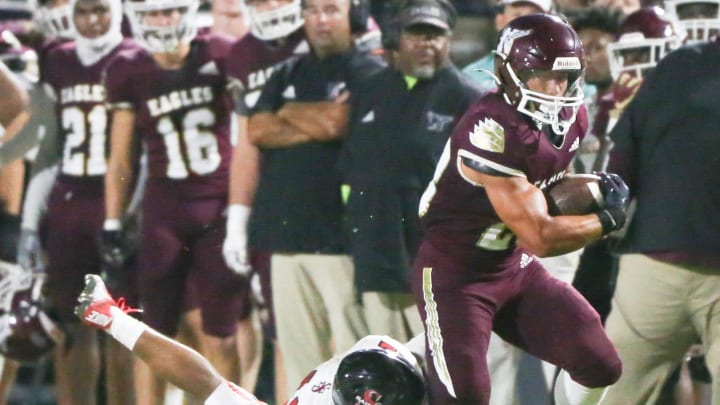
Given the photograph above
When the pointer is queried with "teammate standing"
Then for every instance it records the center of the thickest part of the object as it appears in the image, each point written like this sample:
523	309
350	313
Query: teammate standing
174	96
275	34
72	74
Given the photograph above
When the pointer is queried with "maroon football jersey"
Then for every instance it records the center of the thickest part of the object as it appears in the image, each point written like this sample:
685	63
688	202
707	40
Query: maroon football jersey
83	120
183	115
456	213
252	61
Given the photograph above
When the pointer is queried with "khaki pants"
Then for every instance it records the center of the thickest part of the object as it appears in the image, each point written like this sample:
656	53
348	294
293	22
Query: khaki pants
315	310
392	314
658	311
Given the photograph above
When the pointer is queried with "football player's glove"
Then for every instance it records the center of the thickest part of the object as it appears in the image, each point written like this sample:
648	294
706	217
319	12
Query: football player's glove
29	254
235	245
616	195
113	254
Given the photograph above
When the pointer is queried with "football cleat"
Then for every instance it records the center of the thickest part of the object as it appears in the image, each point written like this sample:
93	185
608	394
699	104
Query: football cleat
95	304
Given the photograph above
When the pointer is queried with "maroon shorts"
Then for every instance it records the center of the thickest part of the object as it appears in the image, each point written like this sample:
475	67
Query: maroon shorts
181	247
71	235
461	304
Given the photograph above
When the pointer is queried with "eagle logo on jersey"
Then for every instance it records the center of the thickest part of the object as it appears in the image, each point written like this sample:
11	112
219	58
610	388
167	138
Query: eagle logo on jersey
508	38
488	135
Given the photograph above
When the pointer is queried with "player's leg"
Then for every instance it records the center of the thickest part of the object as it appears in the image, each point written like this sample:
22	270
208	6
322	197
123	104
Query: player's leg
120	363
249	339
302	326
260	261
457	310
73	223
161	283
224	299
649	326
552	321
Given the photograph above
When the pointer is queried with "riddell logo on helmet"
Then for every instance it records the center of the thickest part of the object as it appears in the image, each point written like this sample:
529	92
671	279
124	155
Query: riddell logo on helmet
566	63
98	319
370	397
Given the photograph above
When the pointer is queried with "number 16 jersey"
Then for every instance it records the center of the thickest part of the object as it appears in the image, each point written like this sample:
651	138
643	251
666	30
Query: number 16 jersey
182	115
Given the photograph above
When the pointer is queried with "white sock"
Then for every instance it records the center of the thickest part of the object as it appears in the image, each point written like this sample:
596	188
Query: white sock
568	392
124	328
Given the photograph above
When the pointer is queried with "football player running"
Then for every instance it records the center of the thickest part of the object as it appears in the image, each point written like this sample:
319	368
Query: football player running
487	221
174	95
72	194
375	369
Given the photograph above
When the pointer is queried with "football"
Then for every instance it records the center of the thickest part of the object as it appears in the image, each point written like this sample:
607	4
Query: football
575	194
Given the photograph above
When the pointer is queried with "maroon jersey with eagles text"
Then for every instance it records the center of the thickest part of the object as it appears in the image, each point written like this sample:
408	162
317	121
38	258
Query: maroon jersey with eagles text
82	116
252	62
182	115
76	206
457	214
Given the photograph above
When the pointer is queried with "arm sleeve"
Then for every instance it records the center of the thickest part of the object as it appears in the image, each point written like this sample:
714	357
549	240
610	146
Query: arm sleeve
36	198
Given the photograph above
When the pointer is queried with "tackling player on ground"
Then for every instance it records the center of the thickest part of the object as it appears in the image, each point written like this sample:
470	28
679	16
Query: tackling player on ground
376	368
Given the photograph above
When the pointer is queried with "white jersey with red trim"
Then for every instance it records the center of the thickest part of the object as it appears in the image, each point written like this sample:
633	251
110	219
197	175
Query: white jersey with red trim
228	393
317	387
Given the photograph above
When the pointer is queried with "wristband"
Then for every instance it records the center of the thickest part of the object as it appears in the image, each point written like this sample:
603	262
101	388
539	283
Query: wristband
237	220
112	225
124	328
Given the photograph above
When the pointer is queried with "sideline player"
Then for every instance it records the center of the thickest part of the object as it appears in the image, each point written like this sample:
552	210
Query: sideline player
276	33
180	109
376	368
486	221
72	75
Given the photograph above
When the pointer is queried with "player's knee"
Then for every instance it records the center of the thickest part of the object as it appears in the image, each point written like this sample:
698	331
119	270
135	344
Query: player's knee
604	372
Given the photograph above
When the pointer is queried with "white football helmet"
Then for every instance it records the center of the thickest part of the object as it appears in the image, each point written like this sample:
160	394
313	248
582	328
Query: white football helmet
699	18
53	20
277	23
646	30
165	38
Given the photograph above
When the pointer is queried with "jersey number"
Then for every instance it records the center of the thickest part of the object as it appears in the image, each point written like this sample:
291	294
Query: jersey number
495	237
201	149
81	128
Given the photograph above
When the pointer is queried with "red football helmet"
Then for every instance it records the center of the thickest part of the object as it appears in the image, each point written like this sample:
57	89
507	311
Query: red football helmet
534	43
26	332
699	18
644	38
